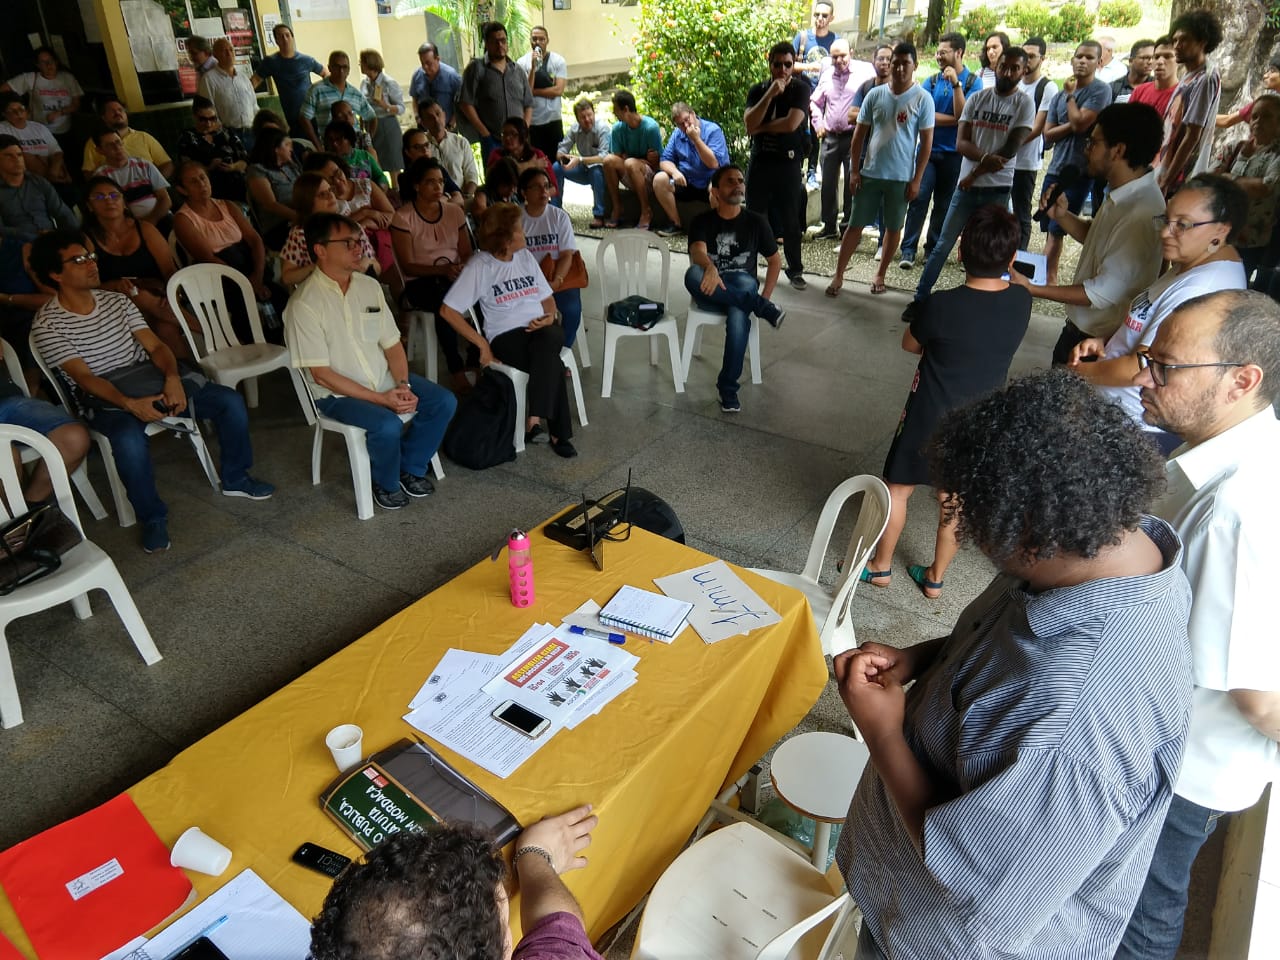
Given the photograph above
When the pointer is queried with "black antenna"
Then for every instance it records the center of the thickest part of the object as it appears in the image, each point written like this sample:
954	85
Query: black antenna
626	500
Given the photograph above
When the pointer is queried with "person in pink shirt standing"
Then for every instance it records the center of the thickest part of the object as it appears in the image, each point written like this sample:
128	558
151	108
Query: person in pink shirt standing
829	110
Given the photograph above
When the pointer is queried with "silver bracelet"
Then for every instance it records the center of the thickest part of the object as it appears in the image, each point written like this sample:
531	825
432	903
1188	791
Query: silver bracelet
531	848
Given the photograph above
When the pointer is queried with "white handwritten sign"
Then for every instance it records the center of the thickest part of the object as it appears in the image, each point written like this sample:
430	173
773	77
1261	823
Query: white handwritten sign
723	605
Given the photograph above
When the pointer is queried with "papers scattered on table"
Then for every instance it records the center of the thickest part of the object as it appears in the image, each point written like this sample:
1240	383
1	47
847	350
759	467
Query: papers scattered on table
561	676
723	605
245	919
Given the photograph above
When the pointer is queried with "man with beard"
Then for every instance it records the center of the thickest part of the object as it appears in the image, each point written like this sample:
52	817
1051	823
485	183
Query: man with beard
995	122
1212	375
724	243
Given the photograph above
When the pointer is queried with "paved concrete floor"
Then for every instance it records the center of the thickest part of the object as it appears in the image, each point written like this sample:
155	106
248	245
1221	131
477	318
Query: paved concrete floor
253	594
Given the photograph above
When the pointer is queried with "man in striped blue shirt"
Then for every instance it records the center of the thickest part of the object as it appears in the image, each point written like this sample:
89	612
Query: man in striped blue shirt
1015	795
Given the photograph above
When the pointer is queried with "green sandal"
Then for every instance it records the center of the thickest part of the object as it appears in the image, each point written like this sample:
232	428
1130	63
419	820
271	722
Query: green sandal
870	576
917	573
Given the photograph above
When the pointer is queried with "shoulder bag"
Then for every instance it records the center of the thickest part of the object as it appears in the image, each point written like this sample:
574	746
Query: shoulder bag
575	279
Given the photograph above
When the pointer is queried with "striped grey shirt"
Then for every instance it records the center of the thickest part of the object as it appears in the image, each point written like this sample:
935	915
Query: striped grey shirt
103	339
1056	723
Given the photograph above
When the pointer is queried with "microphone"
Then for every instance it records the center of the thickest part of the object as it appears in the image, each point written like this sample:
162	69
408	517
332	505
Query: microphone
1068	178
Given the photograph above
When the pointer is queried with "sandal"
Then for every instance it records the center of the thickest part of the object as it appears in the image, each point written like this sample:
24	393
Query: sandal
918	573
871	576
877	286
833	289
612	223
598	223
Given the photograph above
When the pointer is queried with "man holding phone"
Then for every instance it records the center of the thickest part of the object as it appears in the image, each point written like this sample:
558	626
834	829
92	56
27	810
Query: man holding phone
122	378
416	892
342	334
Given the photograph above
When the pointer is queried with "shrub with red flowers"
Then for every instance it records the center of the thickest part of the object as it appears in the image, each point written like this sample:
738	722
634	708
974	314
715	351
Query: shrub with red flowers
708	53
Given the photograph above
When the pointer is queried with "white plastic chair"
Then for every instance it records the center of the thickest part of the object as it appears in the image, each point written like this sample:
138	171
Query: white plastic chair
831	606
816	774
81	477
357	453
631	254
520	384
84	567
225	359
699	318
182	426
422	329
736	894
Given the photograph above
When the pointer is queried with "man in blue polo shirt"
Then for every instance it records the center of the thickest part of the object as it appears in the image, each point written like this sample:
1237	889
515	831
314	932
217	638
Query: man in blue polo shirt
435	80
948	87
696	150
291	71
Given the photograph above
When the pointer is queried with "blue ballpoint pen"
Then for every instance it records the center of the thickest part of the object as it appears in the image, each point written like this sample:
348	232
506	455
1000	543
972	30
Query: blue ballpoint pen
598	634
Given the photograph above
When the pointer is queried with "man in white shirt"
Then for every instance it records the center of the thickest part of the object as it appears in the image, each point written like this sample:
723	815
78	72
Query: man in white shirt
548	73
1030	156
342	333
1109	68
1212	376
451	149
1121	254
231	91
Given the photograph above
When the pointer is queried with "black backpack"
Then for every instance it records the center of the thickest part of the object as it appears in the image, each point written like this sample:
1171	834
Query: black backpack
480	434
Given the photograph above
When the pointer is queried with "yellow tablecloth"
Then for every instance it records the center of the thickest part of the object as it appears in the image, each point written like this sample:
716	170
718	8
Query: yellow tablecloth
696	719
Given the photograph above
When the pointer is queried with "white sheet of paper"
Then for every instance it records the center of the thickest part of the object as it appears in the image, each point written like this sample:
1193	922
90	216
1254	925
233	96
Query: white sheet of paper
259	924
723	605
1037	262
457	667
467	727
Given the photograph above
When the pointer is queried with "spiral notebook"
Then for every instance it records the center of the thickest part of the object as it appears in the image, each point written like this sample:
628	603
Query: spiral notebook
646	613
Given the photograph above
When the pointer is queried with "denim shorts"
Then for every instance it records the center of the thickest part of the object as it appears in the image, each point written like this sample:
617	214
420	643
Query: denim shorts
1076	195
38	415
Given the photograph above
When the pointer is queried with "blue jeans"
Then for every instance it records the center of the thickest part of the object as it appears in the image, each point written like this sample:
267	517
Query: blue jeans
963	203
938	183
569	303
396	447
1155	929
737	300
593	175
129	446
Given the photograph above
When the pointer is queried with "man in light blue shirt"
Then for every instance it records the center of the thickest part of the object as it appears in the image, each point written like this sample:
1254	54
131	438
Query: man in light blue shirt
895	122
696	150
435	80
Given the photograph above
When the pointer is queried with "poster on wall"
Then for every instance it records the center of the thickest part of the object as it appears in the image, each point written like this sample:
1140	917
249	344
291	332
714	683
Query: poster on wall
320	9
239	27
187	78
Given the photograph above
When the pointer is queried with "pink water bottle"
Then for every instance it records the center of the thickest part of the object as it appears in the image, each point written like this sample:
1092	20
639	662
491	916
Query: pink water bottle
520	569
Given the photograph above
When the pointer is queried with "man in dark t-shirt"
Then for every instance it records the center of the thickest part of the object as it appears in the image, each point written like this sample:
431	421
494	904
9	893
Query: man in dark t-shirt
724	243
777	120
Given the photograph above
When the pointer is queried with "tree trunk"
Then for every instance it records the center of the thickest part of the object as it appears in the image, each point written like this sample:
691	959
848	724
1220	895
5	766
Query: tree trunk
934	23
1247	44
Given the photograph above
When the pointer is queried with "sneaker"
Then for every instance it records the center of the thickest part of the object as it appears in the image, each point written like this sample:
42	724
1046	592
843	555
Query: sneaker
912	312
537	434
155	536
825	234
772	314
799	283
564	448
811	181
906	263
670	230
730	404
249	488
416	486
389	499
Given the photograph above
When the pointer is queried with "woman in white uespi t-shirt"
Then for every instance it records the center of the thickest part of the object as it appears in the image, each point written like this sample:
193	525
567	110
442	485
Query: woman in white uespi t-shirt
1196	233
520	326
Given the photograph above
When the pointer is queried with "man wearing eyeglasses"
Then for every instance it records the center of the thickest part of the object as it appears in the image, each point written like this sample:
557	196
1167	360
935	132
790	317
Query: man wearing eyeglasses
29	205
1212	376
220	150
813	48
1121	254
122	378
777	119
342	334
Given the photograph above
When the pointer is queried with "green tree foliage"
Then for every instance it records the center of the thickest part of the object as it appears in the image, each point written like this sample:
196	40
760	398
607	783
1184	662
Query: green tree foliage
1031	18
1120	13
464	18
707	53
1075	24
979	23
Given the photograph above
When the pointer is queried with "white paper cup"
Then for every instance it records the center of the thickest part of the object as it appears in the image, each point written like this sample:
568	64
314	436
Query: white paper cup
346	743
196	850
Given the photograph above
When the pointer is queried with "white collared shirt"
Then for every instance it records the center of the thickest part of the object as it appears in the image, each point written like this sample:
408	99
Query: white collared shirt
349	333
457	158
1221	500
1121	255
